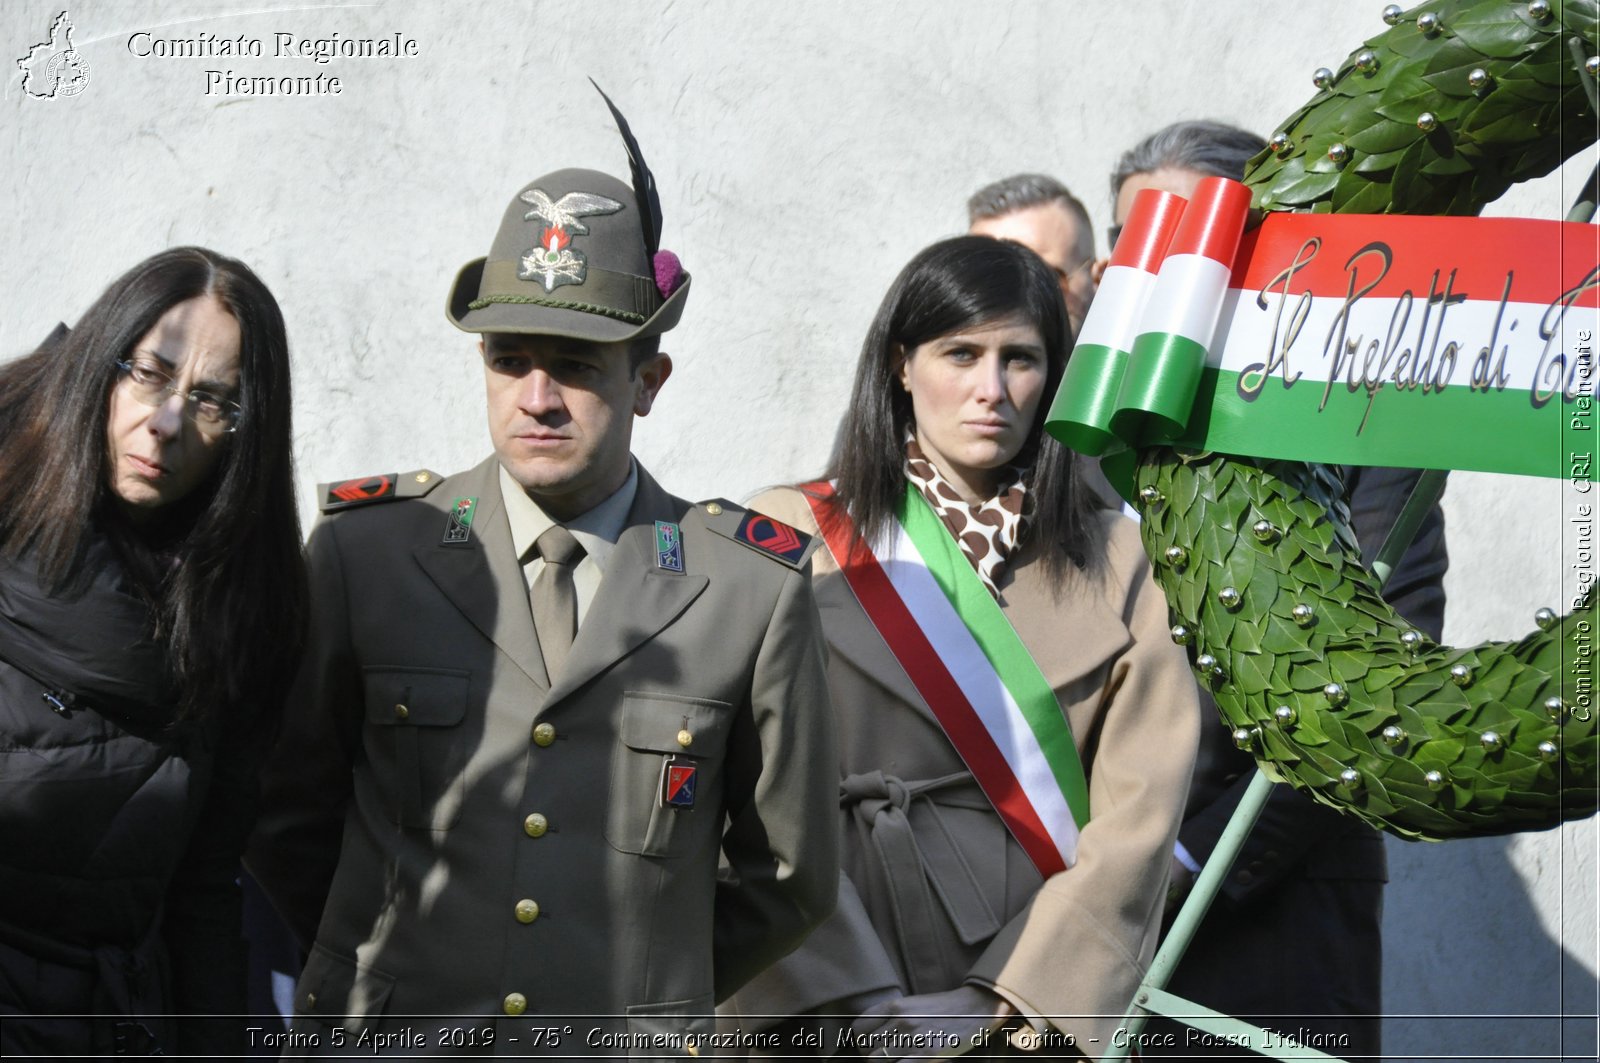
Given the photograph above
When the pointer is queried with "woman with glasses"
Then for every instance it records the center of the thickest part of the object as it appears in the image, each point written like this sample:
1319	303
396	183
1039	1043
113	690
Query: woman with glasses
151	612
1016	726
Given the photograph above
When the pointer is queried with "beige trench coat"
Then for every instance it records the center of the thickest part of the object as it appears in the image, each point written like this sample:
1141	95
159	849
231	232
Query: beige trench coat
936	892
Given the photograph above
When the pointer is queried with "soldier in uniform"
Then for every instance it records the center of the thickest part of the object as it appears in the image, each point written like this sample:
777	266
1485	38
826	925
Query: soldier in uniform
545	697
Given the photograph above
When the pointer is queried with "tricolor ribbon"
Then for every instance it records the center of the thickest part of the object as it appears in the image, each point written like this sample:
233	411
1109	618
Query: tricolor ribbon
972	670
1459	343
1090	392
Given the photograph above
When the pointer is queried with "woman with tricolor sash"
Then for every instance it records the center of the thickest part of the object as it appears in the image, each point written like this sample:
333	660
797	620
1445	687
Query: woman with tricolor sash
1016	727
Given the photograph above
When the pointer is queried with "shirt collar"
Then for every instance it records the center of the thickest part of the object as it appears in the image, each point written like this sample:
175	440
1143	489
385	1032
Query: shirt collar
597	530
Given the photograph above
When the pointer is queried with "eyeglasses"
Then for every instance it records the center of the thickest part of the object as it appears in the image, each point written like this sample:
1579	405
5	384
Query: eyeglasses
1064	276
150	384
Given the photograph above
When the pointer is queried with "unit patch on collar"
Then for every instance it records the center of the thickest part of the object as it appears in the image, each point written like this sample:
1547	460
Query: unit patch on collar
552	261
669	546
458	529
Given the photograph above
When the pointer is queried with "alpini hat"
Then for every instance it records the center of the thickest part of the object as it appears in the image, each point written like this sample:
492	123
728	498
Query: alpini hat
577	255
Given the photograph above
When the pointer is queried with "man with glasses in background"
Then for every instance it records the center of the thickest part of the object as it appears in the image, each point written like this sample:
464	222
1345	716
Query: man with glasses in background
1038	212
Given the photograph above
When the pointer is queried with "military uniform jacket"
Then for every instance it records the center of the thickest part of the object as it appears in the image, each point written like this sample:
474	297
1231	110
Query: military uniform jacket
937	893
462	838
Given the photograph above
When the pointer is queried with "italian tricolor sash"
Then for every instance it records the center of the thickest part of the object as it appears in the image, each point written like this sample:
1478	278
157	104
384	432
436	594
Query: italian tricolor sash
969	665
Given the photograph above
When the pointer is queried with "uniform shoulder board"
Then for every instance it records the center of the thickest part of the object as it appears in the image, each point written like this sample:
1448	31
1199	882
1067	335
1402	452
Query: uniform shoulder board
385	487
758	531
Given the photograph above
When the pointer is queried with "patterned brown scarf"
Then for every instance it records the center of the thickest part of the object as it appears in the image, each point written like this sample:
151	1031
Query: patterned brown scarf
987	533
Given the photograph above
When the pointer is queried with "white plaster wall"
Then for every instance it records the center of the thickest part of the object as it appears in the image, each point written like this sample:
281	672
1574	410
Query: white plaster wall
804	151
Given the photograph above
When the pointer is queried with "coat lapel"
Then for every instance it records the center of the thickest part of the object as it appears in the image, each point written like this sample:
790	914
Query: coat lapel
851	635
483	579
1070	636
636	599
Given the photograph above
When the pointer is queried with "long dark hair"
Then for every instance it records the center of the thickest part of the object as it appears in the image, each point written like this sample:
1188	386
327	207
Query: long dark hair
223	572
956	284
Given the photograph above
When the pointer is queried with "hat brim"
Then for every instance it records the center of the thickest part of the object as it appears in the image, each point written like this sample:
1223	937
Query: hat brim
532	319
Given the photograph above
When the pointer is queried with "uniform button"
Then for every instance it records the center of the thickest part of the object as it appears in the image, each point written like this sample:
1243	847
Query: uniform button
685	738
544	734
401	711
713	509
311	1001
514	1004
527	911
422	477
1245	877
535	825
693	1049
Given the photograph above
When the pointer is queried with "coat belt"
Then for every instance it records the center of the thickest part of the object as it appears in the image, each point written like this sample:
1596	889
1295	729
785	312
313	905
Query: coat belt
921	863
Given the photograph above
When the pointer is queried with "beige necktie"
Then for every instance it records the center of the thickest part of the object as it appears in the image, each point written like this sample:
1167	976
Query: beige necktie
555	600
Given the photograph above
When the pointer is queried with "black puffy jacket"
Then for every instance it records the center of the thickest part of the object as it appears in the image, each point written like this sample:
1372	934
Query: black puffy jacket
120	830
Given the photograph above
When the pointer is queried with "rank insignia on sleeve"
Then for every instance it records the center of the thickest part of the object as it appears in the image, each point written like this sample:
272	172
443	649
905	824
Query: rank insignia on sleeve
358	492
669	546
678	779
772	537
459	527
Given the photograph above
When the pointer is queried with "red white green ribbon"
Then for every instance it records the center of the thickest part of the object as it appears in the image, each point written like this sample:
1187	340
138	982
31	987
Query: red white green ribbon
1105	344
1169	354
1459	343
966	660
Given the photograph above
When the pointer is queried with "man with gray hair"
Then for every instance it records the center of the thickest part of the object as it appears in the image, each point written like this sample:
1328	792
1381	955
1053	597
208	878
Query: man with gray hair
1175	159
1293	942
1038	212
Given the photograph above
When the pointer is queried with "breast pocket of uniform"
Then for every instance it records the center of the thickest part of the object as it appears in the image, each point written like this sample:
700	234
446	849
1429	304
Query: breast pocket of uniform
666	773
415	744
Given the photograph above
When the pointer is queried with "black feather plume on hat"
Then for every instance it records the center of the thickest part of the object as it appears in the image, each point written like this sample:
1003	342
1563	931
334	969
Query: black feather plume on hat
644	182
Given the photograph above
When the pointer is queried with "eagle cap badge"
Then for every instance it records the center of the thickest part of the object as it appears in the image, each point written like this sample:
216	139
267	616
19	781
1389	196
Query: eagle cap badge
552	261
